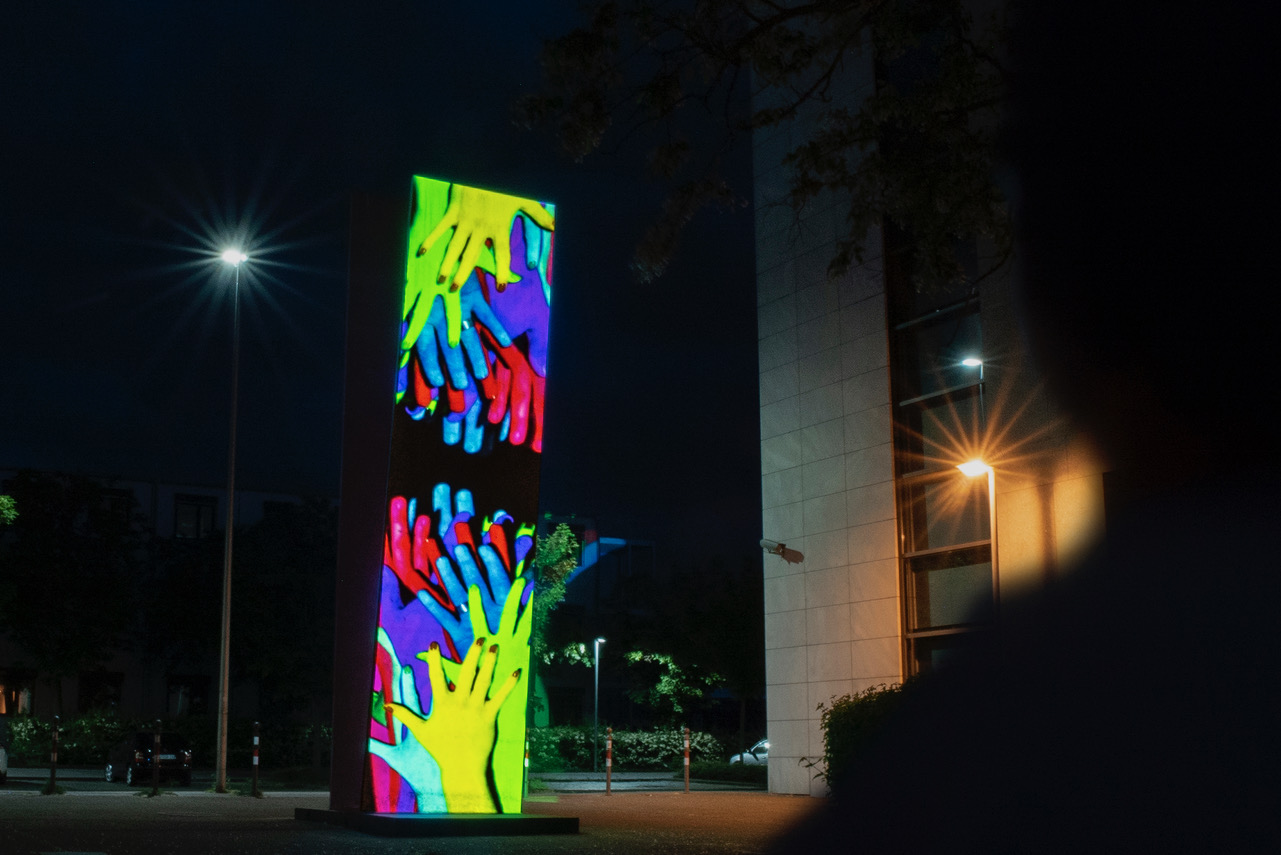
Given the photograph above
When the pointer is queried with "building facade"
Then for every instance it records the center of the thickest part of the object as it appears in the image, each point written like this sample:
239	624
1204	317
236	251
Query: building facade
871	396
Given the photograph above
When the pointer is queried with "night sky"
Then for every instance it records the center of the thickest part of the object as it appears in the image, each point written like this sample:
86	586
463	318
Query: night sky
140	137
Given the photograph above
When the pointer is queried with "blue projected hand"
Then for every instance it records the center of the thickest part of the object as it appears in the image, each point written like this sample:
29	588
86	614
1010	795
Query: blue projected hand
450	514
489	597
454	515
467	360
408	758
466	426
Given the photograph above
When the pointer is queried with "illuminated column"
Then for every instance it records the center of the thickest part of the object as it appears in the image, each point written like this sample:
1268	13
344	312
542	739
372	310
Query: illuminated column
450	676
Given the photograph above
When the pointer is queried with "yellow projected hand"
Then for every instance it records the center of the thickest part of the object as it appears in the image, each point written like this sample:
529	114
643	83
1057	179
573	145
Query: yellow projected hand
459	733
481	218
512	636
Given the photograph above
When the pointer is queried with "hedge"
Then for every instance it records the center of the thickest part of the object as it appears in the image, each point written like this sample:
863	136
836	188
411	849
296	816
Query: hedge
85	740
569	748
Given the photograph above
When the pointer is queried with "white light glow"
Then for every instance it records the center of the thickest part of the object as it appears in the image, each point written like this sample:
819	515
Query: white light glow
973	468
234	257
971	362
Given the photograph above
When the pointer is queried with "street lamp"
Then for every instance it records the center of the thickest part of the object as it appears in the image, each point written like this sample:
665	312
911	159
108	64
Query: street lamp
977	362
973	469
234	257
596	706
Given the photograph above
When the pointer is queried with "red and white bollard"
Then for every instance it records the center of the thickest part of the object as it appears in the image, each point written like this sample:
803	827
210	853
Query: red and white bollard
609	758
254	791
524	787
687	759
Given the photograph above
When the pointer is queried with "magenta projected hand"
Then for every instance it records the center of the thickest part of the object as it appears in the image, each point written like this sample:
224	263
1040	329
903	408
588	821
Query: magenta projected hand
523	307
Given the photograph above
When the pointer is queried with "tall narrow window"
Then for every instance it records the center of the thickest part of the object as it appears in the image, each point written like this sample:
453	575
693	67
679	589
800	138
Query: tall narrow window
945	531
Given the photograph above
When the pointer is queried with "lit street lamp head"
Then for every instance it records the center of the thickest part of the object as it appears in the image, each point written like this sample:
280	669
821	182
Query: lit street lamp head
973	468
234	257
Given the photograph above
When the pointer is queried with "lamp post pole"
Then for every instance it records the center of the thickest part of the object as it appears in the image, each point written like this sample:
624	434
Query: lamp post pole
596	704
233	257
972	469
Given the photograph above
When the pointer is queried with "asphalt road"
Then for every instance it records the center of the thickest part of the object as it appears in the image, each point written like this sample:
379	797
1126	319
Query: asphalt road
190	821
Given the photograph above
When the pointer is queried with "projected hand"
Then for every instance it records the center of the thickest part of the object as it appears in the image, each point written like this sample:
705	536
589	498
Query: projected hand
449	598
407	757
411	557
461	728
480	219
523	308
477	605
515	392
512	637
465	358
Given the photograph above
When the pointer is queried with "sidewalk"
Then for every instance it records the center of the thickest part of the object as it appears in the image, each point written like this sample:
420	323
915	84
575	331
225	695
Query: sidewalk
594	782
556	782
197	822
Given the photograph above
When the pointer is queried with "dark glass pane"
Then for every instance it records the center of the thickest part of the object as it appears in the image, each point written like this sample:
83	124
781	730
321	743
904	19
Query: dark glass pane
936	650
937	432
930	354
943	510
910	298
951	588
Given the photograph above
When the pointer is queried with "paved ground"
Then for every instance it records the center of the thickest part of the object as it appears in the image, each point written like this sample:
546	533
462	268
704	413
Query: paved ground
89	819
90	779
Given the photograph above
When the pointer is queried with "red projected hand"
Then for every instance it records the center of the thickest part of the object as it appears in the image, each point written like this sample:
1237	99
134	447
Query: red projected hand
514	387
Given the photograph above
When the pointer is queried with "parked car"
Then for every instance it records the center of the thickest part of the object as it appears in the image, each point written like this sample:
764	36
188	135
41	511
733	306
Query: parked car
132	758
757	755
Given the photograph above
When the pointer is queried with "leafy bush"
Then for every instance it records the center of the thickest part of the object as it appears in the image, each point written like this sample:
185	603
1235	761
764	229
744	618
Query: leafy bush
663	748
29	742
85	740
850	724
560	749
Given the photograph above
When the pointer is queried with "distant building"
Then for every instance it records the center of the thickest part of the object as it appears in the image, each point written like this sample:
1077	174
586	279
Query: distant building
127	684
602	593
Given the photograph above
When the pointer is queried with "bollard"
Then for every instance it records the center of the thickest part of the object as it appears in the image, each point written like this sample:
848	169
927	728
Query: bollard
53	754
687	759
256	793
524	792
155	759
609	758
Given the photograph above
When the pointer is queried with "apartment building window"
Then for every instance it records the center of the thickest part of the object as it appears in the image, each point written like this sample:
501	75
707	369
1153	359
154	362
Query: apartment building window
193	516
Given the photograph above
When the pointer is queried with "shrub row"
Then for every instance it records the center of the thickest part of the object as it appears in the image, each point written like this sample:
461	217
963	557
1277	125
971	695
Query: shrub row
85	740
569	748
